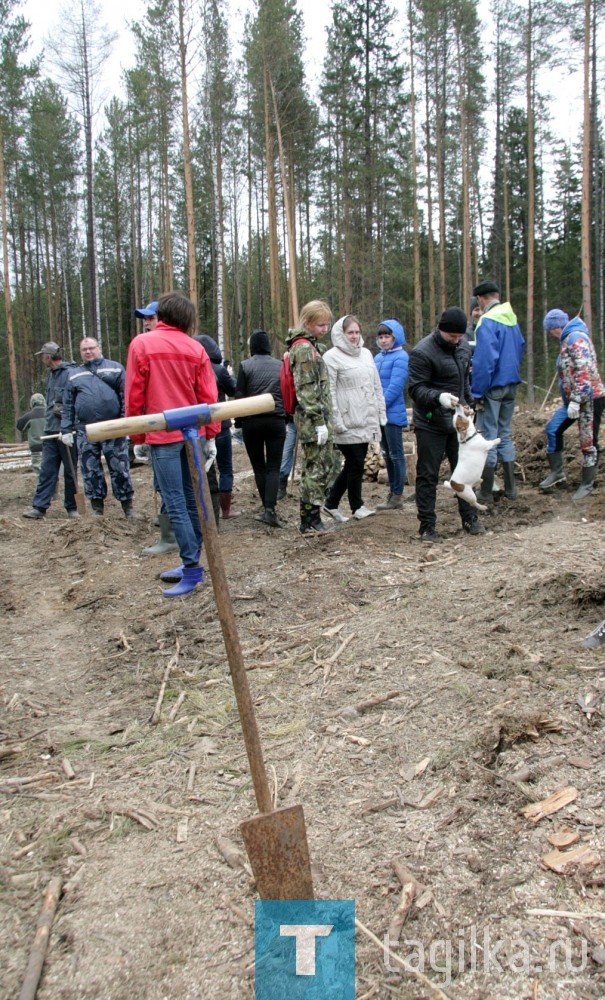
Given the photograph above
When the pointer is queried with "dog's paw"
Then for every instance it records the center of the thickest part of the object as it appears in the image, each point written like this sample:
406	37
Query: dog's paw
480	506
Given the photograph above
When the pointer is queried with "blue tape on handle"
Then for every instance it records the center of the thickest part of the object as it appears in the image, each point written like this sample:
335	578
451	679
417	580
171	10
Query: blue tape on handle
187	416
191	434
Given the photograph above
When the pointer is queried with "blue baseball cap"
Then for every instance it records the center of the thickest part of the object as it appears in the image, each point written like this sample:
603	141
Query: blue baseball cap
150	310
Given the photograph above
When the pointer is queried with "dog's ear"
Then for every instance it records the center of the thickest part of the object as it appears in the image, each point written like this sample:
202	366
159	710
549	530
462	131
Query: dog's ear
461	424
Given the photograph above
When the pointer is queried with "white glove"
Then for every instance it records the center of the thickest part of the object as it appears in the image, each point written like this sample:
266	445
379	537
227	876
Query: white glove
573	410
448	401
322	434
67	439
209	450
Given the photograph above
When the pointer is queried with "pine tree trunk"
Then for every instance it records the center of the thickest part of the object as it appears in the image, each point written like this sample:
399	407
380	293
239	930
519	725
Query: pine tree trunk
10	342
415	218
586	220
272	207
288	213
189	207
531	208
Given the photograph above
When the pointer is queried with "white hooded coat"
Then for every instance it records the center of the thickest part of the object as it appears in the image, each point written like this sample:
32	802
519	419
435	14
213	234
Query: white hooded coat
358	407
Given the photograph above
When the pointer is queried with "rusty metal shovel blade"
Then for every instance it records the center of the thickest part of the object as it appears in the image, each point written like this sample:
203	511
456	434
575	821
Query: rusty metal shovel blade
275	840
276	844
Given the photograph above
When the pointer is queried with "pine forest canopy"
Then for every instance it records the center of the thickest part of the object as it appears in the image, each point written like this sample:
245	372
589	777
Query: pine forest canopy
415	162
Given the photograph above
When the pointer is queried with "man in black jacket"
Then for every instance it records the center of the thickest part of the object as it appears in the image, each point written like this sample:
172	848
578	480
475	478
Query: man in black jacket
438	379
225	384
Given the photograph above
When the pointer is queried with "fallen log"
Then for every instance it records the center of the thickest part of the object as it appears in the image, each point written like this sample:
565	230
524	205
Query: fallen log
40	945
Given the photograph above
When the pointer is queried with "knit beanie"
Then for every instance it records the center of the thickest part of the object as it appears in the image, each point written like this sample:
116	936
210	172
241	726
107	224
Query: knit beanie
453	320
555	318
37	400
260	343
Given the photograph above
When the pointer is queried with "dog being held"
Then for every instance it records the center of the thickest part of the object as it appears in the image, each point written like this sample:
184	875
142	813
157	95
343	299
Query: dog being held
472	449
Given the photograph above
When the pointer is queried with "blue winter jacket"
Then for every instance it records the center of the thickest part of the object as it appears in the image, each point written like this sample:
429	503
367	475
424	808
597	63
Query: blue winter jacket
55	389
94	391
392	367
500	345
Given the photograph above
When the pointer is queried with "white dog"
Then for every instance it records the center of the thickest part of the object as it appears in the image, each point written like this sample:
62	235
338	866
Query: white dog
472	449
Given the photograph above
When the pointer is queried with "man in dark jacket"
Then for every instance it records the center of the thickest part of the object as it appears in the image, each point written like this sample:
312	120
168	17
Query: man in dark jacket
54	452
438	379
95	391
225	384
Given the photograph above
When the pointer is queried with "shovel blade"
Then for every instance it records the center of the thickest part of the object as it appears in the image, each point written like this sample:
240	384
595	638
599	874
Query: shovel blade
276	844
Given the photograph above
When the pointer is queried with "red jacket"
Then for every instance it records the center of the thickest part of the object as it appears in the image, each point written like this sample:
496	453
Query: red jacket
167	369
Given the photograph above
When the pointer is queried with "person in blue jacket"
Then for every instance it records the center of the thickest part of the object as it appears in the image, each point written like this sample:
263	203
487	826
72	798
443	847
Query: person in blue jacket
496	373
392	364
95	391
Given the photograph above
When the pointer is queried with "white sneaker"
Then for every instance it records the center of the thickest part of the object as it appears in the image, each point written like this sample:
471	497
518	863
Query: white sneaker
335	513
362	512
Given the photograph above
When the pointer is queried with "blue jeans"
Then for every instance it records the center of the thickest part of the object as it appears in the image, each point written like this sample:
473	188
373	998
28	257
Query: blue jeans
494	421
394	456
224	460
287	459
54	454
171	471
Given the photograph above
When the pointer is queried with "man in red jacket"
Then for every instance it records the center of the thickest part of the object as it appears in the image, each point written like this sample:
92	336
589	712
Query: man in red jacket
168	369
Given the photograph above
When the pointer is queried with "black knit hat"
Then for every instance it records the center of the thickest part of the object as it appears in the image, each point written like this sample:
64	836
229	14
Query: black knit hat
260	343
486	288
453	320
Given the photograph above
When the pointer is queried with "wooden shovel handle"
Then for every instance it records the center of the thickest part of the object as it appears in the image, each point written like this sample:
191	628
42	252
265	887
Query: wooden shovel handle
226	616
232	408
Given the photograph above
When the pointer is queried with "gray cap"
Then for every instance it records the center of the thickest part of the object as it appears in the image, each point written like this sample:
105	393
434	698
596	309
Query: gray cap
50	348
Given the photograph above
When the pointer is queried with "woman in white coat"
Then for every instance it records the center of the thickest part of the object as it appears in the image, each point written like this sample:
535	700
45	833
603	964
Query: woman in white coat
358	412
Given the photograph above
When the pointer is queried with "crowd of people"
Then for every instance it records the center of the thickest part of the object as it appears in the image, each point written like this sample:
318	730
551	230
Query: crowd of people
345	398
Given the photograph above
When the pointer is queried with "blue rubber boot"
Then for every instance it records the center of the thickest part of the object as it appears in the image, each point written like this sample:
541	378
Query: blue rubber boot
172	575
192	575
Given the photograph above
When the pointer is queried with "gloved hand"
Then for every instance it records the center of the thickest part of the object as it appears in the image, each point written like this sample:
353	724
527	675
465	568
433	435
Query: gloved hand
209	450
383	422
322	434
67	439
448	401
573	410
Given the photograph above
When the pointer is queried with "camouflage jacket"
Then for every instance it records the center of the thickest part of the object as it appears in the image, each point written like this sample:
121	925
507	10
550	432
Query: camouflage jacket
312	384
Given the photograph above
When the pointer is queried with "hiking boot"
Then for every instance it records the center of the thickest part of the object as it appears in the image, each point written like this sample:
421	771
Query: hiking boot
431	536
283	488
335	513
473	527
271	518
394	501
362	512
34	514
98	507
310	520
73	514
587	485
557	472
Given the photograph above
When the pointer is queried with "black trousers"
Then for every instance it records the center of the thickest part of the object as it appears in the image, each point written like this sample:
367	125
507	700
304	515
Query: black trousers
431	449
350	477
264	437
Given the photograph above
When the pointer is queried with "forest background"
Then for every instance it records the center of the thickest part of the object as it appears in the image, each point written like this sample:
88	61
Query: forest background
413	155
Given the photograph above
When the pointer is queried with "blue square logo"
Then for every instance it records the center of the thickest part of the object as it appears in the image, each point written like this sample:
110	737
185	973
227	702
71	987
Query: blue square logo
304	949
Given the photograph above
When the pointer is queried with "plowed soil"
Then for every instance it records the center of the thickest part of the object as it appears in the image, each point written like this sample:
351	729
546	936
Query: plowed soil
496	706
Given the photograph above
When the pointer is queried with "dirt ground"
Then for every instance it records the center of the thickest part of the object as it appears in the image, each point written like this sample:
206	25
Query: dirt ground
495	710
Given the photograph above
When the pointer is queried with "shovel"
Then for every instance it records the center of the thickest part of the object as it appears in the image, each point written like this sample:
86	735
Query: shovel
275	840
78	495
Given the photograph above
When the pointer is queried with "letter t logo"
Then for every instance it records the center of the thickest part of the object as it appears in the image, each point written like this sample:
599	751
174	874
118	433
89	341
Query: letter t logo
305	935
